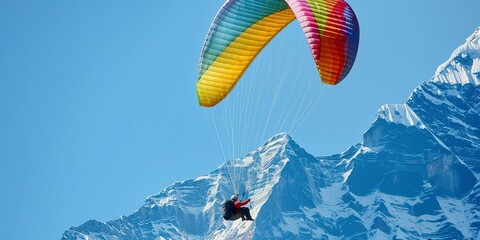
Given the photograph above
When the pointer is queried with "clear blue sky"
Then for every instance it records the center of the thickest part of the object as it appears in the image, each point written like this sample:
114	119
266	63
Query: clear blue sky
98	107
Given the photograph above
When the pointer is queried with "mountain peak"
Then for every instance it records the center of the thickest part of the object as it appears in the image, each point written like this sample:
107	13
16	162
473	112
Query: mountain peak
278	139
400	114
475	35
463	67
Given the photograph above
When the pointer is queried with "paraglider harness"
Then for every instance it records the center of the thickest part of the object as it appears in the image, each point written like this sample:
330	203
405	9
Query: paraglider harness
229	212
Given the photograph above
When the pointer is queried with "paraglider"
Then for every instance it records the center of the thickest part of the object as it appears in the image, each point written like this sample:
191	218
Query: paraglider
239	32
233	209
242	28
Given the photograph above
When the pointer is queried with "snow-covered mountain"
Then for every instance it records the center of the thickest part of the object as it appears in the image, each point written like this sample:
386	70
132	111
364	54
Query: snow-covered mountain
415	175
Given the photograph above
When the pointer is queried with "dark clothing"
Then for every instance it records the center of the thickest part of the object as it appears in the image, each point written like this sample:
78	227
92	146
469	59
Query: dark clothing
245	213
229	210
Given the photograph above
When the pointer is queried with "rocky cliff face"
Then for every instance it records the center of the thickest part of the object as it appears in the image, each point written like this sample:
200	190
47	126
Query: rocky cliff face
414	175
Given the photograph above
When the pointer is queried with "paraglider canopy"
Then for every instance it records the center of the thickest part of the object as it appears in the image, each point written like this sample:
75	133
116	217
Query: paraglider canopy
242	28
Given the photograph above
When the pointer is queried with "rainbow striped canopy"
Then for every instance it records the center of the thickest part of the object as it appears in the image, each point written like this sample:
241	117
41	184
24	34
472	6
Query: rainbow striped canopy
242	28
